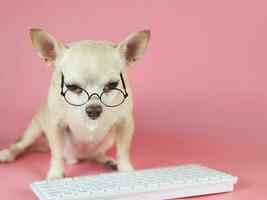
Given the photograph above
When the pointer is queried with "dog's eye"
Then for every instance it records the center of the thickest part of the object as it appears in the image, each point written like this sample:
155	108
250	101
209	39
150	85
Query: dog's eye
111	85
74	88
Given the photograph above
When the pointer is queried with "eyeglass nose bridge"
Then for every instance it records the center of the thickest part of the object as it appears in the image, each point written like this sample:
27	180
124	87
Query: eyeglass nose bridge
89	96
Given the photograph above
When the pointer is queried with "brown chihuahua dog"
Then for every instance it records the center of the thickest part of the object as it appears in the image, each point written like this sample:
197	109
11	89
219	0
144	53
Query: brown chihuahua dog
89	105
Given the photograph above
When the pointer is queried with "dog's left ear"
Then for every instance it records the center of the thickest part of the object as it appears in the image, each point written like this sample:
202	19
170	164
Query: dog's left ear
134	46
46	46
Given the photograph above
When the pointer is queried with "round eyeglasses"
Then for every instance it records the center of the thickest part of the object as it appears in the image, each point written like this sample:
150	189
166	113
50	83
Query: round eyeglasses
77	96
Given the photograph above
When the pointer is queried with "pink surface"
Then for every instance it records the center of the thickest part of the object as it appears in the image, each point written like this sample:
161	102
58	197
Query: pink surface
200	90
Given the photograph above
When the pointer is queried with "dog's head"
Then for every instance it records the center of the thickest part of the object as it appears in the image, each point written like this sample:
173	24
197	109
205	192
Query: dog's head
91	69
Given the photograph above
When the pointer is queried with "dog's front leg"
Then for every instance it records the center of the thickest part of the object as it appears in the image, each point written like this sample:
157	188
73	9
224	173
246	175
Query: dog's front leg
123	144
54	135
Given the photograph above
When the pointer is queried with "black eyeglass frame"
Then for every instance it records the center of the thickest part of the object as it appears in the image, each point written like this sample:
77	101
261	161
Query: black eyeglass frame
125	93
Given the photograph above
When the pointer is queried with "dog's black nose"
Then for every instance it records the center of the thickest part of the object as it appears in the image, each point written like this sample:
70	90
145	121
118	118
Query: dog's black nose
93	111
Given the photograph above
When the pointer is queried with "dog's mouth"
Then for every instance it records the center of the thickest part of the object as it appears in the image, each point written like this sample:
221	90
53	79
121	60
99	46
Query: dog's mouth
94	117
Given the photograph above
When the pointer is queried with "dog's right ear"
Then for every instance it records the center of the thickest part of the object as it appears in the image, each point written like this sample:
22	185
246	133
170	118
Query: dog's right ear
46	46
134	46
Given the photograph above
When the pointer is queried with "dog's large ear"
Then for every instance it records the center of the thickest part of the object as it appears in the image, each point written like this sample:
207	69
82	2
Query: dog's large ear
46	46
134	46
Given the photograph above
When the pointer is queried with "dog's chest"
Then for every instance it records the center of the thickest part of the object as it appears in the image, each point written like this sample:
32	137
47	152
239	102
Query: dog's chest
82	142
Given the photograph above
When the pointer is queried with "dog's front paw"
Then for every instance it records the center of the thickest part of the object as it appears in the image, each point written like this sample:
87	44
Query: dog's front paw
125	166
54	175
111	164
6	156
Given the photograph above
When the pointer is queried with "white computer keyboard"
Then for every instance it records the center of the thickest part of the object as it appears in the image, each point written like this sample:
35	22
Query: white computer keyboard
152	184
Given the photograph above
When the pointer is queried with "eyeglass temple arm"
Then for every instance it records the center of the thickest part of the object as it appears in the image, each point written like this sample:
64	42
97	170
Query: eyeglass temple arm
123	84
62	83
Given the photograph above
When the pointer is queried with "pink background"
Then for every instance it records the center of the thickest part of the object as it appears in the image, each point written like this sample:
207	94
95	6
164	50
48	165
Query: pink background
200	90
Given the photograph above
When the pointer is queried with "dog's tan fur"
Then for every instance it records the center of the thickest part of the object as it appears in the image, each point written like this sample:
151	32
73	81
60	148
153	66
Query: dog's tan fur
70	133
